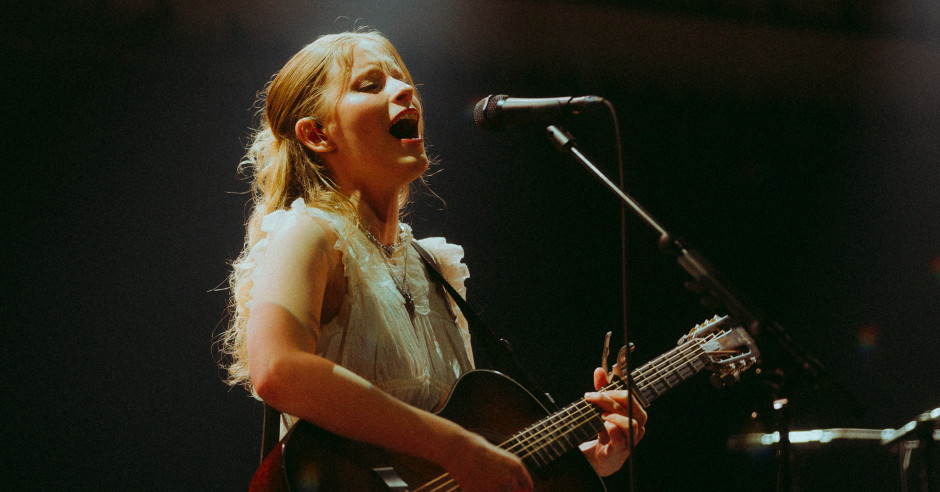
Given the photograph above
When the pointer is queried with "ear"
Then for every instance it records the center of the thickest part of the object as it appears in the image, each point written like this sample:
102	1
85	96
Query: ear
313	137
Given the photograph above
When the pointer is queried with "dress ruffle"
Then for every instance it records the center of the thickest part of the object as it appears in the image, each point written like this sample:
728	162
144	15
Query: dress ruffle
450	260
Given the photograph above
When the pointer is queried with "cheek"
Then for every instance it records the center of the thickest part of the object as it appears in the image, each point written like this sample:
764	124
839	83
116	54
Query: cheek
358	109
361	126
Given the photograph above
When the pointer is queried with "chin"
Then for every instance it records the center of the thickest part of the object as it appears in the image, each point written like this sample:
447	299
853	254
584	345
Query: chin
420	167
416	162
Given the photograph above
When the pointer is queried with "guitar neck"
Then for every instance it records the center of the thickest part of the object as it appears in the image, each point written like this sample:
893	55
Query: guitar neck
665	372
555	435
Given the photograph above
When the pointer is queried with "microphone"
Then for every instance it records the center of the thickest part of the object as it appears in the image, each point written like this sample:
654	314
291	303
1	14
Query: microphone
502	111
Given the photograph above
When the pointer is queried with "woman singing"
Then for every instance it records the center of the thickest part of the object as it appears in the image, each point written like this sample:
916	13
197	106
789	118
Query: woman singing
336	321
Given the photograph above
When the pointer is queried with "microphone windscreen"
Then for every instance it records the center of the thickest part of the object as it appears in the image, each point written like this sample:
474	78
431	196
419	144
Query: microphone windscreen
485	113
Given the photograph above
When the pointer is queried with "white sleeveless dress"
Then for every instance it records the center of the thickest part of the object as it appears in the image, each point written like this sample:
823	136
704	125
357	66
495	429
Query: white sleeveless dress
415	359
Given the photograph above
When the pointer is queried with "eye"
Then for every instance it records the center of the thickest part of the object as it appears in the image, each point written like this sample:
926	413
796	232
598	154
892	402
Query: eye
370	82
367	85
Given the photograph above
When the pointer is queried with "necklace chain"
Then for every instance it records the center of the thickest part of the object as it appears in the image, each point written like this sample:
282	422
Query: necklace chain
388	251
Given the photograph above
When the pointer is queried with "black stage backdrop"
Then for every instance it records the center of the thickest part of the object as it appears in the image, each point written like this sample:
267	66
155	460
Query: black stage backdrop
793	143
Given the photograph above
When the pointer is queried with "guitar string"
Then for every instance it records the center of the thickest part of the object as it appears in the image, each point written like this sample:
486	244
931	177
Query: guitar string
668	364
674	367
665	365
583	408
585	412
642	372
517	437
679	353
533	450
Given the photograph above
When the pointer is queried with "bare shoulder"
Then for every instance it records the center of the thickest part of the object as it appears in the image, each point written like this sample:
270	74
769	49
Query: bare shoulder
300	238
298	265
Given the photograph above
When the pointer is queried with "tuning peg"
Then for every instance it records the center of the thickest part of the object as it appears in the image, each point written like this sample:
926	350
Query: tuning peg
717	381
720	381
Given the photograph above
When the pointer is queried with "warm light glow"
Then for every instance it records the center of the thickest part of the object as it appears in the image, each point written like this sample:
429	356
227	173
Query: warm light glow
867	339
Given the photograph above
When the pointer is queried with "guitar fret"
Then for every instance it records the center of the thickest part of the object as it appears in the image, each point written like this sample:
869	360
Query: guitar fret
538	443
688	369
542	442
526	437
668	370
542	454
553	436
531	448
567	434
594	424
551	441
695	364
572	420
584	432
548	439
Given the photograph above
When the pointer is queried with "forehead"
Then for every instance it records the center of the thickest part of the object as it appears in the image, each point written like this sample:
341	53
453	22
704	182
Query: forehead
367	54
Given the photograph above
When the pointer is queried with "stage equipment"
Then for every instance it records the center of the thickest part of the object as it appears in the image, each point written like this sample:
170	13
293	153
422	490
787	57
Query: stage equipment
788	362
914	444
501	111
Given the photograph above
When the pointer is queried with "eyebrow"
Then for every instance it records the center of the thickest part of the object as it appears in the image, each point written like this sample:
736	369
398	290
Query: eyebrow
387	64
371	68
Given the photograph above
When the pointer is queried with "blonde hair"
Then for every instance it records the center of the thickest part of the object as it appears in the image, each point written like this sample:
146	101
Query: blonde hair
283	169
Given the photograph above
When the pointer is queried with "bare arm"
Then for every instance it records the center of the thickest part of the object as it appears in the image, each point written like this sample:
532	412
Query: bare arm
287	299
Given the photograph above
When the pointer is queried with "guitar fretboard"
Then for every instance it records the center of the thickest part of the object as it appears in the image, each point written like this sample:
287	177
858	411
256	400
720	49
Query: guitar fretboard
548	439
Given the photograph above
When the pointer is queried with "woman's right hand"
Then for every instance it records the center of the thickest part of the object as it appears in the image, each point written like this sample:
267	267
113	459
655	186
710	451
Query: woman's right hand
478	465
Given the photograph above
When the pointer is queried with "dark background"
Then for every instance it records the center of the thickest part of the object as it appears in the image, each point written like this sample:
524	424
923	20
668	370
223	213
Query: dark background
794	143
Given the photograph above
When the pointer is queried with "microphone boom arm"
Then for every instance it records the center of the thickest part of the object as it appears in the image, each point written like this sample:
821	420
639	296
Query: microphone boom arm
776	378
702	272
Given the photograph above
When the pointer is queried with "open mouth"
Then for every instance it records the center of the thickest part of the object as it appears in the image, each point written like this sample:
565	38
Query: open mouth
405	125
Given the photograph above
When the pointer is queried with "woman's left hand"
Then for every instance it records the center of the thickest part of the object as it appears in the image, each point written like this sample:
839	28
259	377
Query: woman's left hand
612	447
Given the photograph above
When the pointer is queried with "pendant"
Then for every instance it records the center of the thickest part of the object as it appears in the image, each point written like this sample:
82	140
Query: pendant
409	304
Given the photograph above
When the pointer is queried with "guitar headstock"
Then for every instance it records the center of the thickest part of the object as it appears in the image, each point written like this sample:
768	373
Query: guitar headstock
730	349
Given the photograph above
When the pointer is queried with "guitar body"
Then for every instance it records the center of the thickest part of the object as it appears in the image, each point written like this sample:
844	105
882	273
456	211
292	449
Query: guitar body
499	409
485	402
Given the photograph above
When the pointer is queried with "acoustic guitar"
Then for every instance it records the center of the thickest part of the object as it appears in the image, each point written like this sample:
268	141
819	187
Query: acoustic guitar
501	410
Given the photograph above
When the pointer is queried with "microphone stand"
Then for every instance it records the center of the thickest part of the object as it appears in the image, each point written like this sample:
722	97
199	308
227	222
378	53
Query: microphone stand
739	307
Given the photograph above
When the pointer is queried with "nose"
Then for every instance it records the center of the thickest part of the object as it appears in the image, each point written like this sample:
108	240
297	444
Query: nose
403	92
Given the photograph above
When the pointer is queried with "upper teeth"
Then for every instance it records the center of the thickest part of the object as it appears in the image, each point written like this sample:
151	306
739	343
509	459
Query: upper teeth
408	116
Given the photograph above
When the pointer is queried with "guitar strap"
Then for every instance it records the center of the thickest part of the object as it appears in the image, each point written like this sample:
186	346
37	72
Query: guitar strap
270	430
498	351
